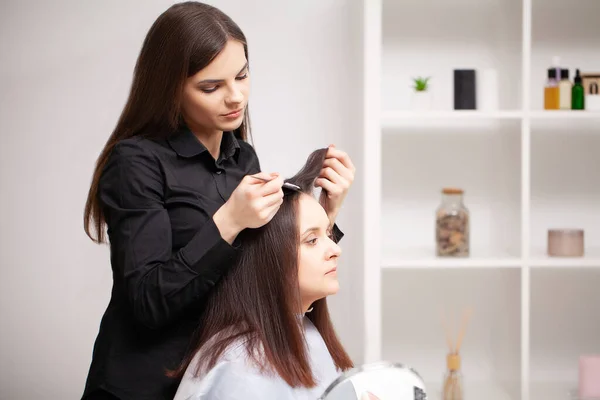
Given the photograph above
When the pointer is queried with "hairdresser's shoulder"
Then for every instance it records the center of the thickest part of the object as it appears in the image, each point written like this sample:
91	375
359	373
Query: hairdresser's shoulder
136	158
139	146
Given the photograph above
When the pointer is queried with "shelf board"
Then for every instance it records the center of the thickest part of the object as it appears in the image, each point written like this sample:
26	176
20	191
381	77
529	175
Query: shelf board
426	258
390	119
475	390
564	114
395	118
540	259
552	390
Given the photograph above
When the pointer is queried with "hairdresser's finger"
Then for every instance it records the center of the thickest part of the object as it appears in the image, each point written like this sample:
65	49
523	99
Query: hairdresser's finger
340	168
272	199
270	187
329	174
327	185
261	178
344	158
271	211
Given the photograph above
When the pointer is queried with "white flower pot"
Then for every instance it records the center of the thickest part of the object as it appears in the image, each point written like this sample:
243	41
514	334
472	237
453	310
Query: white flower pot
421	101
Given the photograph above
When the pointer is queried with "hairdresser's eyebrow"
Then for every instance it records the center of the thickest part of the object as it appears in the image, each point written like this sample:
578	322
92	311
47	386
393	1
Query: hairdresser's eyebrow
213	81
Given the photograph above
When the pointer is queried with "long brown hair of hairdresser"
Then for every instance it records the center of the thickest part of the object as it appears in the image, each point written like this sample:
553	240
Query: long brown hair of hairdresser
173	187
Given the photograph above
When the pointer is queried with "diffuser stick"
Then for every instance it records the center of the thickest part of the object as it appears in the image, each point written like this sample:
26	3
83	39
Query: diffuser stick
447	330
466	317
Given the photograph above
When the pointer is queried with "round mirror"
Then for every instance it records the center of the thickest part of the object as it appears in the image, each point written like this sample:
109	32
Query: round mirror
377	381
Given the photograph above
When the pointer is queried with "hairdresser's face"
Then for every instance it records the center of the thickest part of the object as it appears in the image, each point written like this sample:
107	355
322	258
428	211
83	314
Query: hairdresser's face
318	254
215	98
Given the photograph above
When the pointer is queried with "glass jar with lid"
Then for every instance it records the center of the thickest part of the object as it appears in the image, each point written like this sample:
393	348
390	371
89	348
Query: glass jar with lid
452	225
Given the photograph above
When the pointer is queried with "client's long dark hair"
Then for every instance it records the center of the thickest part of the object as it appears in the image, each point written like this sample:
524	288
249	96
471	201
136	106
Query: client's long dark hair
259	299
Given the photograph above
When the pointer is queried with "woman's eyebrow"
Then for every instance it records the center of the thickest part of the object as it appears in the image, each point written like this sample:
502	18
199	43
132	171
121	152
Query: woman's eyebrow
213	81
311	230
328	230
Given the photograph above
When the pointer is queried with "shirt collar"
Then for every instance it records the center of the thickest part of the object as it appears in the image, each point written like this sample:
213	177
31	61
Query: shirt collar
187	145
229	145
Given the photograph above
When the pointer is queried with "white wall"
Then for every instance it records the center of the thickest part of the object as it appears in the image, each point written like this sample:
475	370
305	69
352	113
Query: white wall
66	69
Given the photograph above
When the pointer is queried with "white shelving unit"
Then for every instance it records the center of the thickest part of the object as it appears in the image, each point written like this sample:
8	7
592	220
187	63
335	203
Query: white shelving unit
524	170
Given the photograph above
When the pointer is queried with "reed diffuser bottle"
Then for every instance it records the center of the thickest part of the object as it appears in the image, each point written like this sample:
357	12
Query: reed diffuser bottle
453	379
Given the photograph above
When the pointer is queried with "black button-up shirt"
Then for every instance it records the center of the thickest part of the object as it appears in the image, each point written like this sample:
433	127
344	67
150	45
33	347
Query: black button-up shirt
159	197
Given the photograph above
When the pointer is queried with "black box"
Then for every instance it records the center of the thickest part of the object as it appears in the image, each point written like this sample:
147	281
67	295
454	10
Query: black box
464	89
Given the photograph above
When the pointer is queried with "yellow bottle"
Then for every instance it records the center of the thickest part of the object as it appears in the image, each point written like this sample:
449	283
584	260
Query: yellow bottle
551	92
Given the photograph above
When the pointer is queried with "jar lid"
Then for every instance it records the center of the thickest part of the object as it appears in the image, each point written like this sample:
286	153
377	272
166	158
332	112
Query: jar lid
452	190
566	231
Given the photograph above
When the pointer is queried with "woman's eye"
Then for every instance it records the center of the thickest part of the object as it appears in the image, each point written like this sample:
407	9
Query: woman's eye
209	90
214	88
312	241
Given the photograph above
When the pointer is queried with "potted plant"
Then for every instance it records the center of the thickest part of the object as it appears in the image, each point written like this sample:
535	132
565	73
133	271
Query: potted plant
421	99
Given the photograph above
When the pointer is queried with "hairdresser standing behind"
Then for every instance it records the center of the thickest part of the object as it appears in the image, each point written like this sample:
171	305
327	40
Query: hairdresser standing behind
174	186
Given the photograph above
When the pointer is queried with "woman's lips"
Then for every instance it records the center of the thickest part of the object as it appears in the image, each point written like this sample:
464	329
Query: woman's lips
234	114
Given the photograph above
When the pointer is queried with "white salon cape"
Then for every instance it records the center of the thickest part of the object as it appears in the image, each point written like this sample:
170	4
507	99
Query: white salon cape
234	377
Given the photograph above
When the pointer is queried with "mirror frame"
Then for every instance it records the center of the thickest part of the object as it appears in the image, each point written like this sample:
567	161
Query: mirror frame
379	365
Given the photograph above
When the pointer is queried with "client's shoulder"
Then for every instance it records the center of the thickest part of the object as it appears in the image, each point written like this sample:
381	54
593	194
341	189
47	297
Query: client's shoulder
235	375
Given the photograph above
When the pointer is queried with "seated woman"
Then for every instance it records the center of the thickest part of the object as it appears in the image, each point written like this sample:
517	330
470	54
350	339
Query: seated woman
266	332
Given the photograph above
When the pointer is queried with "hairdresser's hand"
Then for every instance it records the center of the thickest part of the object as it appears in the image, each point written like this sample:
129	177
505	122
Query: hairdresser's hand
336	178
252	204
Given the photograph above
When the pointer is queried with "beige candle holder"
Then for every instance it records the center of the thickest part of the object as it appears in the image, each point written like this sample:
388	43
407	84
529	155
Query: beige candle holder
565	243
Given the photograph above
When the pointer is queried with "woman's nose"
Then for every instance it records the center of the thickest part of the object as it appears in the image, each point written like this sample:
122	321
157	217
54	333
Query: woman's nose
334	250
235	95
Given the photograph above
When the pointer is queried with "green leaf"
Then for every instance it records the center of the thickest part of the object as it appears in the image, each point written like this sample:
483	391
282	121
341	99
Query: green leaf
421	83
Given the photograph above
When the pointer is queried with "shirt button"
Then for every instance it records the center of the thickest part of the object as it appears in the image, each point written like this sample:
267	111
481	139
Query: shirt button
219	172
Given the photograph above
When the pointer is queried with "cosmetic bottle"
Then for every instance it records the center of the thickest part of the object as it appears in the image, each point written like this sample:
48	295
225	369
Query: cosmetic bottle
551	93
577	93
565	87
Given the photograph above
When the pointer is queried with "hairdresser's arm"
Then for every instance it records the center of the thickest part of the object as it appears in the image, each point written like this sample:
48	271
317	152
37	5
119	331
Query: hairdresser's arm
159	284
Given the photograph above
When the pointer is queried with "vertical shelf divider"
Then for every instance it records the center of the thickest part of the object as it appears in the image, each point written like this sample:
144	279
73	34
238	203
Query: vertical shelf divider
526	198
372	179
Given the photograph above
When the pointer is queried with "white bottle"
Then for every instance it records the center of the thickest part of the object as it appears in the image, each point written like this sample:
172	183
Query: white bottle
564	88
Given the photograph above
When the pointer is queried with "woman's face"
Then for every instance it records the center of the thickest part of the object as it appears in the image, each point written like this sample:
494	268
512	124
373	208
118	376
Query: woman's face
318	254
215	98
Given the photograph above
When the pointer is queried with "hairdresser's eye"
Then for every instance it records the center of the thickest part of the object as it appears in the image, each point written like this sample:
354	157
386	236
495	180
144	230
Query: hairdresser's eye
312	242
209	90
242	77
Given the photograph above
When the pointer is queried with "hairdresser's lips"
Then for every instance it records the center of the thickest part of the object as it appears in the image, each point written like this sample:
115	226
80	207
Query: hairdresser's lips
332	271
234	114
